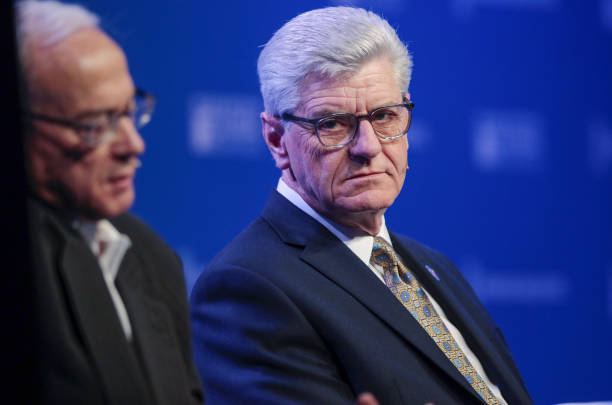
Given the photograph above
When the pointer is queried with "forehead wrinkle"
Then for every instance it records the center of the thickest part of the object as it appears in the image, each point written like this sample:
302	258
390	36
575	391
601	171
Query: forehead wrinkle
346	94
328	105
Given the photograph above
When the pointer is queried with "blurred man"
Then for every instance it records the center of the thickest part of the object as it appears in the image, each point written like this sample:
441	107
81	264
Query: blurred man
114	325
317	301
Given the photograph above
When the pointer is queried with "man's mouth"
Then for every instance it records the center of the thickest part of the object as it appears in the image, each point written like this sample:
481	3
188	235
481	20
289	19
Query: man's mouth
122	181
361	175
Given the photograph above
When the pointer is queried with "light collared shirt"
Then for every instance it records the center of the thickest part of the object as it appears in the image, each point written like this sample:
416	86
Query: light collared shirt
361	245
109	246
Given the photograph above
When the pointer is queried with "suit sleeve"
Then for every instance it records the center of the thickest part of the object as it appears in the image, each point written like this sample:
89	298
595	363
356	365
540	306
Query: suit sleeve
253	345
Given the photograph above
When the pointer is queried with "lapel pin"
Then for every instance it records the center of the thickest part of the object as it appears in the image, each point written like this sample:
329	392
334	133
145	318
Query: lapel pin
432	272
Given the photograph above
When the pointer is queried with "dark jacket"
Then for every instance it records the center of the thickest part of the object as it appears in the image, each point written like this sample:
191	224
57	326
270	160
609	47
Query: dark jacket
85	356
287	314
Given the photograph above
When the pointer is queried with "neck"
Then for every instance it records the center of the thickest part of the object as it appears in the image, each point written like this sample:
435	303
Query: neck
366	222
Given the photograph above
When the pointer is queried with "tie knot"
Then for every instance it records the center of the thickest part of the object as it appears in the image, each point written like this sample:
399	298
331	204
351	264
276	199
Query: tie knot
382	253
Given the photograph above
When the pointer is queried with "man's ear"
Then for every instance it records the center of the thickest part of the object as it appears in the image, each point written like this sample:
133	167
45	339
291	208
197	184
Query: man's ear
272	130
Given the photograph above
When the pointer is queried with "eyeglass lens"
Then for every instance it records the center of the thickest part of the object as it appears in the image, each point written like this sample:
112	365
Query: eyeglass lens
105	126
388	122
143	110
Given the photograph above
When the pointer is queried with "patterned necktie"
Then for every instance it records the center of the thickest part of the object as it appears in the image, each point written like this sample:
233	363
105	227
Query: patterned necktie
406	288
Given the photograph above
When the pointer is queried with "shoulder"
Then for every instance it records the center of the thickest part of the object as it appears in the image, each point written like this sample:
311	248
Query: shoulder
50	228
258	243
261	252
41	214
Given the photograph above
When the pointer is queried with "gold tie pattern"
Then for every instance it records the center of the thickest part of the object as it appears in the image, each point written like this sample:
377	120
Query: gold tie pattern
406	288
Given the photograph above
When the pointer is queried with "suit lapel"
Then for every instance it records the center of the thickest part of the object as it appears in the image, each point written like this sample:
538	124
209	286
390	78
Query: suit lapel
466	320
329	256
157	346
98	323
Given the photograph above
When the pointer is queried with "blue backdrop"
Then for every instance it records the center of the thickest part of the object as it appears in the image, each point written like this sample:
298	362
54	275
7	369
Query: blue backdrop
511	154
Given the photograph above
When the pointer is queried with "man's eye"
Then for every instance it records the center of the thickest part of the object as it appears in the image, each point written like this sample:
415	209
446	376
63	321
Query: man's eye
329	124
383	115
96	124
334	124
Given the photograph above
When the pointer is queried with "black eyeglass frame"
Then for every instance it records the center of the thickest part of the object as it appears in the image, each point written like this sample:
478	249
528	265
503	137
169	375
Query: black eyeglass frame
84	130
369	116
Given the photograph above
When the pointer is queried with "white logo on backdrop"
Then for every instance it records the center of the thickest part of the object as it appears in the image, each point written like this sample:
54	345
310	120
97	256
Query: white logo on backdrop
508	141
225	125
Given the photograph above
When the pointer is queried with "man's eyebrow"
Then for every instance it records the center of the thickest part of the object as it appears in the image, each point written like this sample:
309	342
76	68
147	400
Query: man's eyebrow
323	111
92	113
326	110
100	112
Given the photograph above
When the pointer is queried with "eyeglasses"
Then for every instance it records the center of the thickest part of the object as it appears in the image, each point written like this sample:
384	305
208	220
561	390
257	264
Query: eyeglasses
337	130
101	127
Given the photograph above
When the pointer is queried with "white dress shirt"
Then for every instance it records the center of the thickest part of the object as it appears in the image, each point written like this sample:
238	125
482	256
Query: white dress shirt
361	245
109	247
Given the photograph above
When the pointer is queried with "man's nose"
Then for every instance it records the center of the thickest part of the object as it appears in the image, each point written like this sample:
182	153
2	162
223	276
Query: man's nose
127	139
366	144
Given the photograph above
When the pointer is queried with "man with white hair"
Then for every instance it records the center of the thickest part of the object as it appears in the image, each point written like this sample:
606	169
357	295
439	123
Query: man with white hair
317	301
111	297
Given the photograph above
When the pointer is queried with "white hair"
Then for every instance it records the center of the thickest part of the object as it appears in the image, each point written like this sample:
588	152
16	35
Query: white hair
329	41
46	23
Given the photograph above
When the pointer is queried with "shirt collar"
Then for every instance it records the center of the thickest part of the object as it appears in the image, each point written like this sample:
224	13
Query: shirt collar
116	243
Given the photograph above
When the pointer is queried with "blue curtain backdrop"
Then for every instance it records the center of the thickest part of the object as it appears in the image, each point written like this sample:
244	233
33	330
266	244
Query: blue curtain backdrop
511	154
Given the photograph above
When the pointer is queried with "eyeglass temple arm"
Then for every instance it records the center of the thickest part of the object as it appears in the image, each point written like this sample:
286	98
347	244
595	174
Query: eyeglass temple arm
53	120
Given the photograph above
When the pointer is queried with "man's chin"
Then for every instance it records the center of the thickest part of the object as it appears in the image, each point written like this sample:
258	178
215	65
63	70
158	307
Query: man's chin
369	201
115	206
363	215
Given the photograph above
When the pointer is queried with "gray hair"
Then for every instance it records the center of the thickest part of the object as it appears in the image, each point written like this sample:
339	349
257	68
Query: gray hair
329	41
47	23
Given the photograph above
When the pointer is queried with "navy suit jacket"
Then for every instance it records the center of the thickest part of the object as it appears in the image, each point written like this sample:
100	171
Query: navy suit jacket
85	357
287	314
